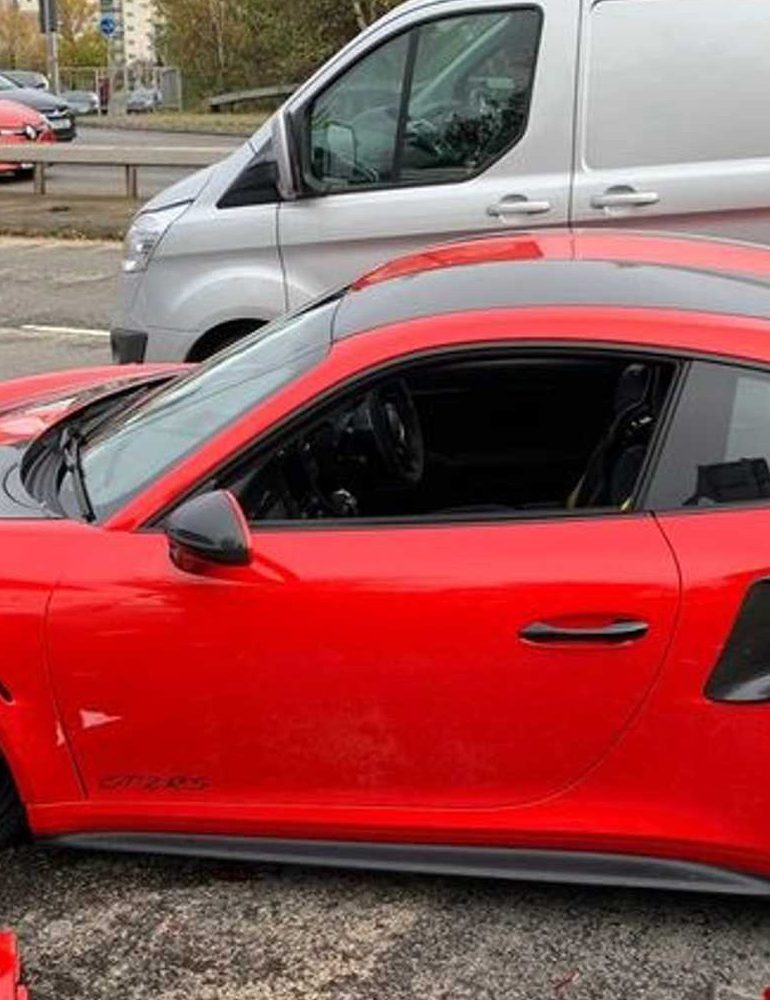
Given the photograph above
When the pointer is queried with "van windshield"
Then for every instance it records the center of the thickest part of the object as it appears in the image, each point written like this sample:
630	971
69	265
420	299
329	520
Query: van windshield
140	444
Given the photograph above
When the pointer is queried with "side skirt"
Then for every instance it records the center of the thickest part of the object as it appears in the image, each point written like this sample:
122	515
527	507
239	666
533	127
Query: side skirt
580	867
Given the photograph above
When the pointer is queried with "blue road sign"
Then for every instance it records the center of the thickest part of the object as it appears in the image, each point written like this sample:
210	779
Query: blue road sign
108	25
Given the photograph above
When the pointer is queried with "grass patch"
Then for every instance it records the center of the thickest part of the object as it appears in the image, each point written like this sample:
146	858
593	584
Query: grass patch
65	217
202	123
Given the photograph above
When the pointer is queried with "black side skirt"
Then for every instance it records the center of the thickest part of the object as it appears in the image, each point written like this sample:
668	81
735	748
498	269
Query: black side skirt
581	867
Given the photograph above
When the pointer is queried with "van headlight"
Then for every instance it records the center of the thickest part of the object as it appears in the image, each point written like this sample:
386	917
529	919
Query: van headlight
145	234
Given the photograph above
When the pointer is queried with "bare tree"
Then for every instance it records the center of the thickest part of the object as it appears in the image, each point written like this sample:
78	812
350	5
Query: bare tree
367	11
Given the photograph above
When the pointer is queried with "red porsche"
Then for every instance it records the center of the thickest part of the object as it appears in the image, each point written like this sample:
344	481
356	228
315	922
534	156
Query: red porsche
465	569
18	125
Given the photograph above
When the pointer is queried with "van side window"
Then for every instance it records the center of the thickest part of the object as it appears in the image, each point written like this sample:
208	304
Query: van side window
682	82
436	104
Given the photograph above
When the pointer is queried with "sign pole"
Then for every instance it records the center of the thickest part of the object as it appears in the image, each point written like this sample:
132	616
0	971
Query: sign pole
53	61
49	25
109	26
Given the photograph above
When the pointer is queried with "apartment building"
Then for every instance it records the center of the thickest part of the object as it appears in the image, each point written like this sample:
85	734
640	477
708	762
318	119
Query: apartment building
137	17
139	30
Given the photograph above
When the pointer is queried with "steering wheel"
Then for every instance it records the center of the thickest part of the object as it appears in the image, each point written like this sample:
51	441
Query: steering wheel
397	432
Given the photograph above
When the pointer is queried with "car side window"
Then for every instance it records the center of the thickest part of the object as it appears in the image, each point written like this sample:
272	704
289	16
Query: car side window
717	450
438	103
483	434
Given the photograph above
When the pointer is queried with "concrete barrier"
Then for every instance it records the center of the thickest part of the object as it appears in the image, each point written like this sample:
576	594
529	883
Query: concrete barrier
44	155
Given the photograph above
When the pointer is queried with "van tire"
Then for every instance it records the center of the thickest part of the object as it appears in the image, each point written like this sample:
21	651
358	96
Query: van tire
221	337
13	820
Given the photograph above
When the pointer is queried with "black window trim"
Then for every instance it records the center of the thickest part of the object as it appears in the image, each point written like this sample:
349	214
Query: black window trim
331	398
312	187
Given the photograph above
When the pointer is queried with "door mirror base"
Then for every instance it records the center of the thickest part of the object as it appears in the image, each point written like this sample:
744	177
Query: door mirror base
210	529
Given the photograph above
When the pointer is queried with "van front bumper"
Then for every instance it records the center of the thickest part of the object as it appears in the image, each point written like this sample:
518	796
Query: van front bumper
128	346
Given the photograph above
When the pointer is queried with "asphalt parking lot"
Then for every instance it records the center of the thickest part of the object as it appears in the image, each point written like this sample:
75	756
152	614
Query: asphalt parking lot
126	928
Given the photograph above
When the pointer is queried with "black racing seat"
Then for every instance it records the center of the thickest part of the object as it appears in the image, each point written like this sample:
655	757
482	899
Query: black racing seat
616	463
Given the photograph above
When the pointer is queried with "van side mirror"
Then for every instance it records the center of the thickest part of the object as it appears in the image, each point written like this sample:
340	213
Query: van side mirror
285	157
210	529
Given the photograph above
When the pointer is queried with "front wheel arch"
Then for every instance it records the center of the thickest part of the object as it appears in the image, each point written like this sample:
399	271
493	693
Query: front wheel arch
13	816
222	336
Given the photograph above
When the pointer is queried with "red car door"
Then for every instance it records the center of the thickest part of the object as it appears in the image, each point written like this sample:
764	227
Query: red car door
445	665
708	723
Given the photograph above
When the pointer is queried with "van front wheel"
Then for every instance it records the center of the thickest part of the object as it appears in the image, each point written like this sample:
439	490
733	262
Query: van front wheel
221	337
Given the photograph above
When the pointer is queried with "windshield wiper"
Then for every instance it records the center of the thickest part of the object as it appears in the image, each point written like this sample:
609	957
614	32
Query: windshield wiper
70	445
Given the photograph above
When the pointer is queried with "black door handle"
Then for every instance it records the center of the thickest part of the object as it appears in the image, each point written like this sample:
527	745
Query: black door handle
615	633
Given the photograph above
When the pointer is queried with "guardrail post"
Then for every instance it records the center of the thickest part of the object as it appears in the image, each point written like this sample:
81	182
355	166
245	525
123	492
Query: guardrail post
40	178
132	182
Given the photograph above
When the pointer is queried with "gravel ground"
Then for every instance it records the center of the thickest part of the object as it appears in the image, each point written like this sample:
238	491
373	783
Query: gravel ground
125	928
110	927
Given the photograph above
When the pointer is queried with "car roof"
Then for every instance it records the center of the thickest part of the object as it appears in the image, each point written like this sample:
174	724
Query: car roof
619	269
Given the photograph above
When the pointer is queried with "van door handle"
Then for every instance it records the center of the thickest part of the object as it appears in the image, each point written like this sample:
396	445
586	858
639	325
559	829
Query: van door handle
518	204
542	633
624	197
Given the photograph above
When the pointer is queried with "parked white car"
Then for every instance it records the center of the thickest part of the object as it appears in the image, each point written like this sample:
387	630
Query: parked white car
456	117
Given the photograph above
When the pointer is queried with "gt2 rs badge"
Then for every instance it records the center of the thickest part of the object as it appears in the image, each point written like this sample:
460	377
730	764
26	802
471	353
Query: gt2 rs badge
153	783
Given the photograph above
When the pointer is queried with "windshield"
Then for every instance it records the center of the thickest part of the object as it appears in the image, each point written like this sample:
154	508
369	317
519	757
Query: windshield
132	450
6	84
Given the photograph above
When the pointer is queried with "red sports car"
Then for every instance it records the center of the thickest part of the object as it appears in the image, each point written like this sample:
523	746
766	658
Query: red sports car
464	569
18	125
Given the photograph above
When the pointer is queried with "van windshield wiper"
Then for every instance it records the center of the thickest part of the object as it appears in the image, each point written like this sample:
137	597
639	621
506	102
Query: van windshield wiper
70	448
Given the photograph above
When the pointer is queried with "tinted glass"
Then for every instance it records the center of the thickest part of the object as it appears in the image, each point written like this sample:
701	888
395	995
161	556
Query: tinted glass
718	448
436	104
470	94
485	434
354	124
136	448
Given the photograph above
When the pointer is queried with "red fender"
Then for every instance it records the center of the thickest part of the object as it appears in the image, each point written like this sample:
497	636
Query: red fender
10	969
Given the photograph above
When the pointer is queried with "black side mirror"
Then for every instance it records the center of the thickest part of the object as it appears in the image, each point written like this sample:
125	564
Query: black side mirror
209	528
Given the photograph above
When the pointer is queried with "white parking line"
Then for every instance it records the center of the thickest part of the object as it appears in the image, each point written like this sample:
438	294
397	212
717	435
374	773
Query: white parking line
64	331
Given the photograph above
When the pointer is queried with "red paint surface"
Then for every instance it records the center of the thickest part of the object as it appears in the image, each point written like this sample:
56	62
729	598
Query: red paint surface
370	683
14	116
10	969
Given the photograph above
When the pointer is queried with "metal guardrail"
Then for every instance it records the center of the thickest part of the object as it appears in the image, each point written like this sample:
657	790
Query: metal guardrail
260	94
131	159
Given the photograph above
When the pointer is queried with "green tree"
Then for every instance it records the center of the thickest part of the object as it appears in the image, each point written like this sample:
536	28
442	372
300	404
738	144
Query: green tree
233	44
212	41
80	43
21	44
367	11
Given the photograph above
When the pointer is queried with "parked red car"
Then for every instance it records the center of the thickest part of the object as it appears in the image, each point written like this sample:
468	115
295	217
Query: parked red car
19	125
463	569
10	969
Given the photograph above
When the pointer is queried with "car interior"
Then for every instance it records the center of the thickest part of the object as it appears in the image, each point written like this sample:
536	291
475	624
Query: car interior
467	100
478	436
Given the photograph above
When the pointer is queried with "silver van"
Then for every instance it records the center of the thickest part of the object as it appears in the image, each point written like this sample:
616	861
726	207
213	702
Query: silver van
450	118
